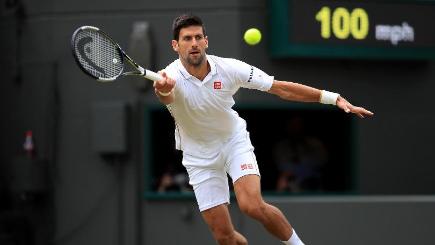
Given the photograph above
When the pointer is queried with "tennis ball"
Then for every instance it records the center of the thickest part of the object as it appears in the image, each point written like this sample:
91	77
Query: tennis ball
252	36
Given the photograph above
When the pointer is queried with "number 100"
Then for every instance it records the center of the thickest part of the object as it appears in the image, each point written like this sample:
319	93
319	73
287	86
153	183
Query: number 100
342	23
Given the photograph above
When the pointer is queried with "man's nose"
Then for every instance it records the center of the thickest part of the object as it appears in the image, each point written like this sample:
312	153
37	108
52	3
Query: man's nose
195	42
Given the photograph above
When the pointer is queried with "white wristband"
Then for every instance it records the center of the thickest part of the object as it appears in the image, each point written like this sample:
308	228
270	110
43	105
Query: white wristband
164	94
327	97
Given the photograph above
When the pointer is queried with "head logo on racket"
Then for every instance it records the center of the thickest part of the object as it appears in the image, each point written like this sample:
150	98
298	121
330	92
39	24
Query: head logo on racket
84	51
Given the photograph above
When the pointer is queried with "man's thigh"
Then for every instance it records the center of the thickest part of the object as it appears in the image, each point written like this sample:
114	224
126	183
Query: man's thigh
210	187
248	189
209	182
242	164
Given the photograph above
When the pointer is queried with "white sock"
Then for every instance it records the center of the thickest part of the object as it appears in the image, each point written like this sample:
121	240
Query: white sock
294	240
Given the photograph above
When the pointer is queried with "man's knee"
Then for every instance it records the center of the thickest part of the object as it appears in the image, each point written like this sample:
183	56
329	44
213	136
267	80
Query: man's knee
255	210
240	239
242	242
223	236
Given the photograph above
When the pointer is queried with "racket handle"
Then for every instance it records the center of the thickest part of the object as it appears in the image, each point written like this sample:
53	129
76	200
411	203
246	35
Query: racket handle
152	75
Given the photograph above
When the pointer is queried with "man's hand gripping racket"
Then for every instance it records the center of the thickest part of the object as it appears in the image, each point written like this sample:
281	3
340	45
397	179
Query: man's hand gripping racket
102	58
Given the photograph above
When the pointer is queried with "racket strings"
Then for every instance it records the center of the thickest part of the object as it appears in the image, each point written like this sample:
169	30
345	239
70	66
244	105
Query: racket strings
98	55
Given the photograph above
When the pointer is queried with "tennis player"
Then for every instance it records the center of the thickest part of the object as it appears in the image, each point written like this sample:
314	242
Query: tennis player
198	91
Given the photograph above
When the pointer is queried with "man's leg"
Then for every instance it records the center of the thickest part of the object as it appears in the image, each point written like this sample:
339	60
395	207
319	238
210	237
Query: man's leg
219	221
248	193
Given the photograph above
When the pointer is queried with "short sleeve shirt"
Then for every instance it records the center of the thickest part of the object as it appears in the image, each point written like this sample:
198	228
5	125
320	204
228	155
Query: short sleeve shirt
202	110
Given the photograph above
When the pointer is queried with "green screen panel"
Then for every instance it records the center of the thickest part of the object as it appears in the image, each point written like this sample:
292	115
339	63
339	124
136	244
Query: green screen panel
325	162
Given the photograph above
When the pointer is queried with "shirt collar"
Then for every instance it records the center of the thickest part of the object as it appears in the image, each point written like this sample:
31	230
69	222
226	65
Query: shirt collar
187	75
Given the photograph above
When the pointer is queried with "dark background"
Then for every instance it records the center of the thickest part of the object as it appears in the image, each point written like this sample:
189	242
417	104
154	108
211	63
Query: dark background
77	195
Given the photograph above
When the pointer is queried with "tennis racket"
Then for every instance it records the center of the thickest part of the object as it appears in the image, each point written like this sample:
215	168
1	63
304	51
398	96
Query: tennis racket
99	56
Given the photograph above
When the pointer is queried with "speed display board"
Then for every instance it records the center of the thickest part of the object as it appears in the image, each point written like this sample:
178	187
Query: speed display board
353	29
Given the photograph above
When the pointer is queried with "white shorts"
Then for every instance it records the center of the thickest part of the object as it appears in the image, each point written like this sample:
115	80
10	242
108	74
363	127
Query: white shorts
208	176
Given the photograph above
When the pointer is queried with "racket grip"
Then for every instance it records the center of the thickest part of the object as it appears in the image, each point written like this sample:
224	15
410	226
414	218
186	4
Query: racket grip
152	75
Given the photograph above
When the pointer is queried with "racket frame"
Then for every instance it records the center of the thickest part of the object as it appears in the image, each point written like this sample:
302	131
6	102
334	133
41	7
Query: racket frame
140	71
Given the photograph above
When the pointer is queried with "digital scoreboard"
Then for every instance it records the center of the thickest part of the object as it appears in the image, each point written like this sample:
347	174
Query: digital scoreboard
380	29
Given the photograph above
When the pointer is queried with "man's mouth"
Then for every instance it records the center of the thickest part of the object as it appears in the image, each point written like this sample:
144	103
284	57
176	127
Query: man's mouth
194	52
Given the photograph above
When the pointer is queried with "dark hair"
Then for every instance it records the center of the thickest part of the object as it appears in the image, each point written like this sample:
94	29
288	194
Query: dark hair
185	20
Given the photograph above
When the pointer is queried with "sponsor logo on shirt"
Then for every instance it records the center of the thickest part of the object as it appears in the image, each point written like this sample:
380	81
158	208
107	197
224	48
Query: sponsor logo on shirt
246	166
251	74
217	85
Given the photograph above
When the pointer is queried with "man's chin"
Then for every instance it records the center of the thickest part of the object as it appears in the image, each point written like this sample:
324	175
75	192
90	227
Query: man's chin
195	61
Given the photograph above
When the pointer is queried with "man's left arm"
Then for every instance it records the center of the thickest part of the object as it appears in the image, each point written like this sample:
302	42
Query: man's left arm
302	93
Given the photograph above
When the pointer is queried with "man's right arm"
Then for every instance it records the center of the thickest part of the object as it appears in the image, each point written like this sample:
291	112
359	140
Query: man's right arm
164	89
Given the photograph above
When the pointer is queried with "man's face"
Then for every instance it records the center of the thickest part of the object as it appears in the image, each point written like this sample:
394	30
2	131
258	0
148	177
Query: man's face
191	45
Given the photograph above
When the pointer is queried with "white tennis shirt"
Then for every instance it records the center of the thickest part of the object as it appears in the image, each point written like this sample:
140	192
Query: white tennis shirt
202	110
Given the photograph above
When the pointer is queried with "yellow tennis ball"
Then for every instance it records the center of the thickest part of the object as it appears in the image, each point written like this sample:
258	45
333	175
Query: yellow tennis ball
252	36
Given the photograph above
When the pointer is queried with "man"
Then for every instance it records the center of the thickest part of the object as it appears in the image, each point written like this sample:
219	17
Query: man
197	89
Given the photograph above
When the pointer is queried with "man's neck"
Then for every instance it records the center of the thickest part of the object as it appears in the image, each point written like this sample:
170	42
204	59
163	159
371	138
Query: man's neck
200	71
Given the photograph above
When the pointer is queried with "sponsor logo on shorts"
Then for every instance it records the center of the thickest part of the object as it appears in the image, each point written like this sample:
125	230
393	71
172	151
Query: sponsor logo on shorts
246	166
217	85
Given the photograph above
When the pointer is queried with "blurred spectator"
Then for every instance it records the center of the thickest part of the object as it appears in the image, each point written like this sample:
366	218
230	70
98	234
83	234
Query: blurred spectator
171	180
299	158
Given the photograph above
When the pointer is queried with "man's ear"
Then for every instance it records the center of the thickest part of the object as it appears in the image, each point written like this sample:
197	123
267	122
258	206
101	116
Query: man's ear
175	45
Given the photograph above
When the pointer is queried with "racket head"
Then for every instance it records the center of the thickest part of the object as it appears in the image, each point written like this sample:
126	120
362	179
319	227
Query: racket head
97	54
